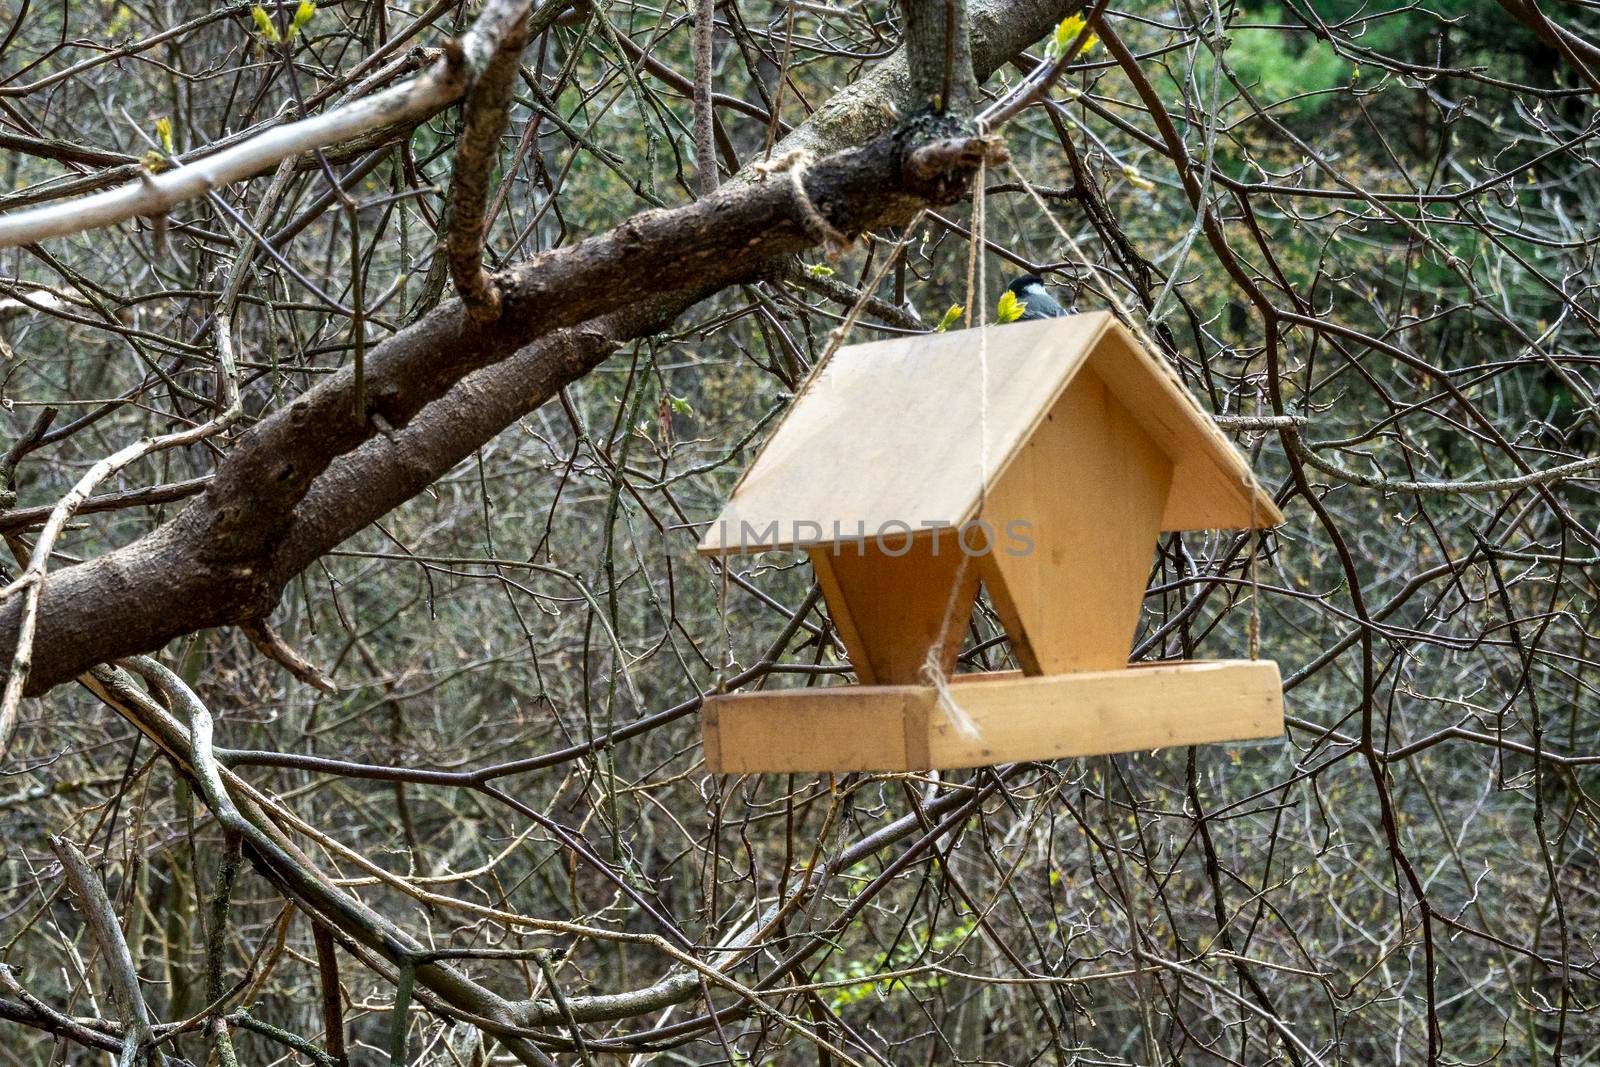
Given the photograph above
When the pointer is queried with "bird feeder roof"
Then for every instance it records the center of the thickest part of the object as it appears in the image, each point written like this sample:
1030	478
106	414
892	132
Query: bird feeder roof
896	434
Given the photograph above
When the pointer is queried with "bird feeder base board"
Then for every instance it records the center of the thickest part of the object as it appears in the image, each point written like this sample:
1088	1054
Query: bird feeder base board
898	728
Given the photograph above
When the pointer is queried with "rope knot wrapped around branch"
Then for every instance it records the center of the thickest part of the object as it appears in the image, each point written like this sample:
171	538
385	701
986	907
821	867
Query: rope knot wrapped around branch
835	243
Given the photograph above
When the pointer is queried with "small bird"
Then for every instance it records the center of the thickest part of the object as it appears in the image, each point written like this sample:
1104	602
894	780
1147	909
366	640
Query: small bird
1036	302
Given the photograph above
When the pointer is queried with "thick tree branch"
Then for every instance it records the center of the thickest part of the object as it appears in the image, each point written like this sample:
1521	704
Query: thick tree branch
116	959
705	155
309	476
226	556
156	194
873	103
1581	53
34	1013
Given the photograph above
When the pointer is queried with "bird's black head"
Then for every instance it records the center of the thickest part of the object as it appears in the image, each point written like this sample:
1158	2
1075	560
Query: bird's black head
1019	285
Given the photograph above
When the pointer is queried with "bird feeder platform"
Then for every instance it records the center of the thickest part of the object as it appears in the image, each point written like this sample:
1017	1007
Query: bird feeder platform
912	477
903	727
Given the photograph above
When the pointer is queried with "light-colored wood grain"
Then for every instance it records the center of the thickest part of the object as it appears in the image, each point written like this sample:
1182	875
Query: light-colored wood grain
892	608
1089	488
901	728
844	621
889	432
1212	487
1104	712
815	730
900	431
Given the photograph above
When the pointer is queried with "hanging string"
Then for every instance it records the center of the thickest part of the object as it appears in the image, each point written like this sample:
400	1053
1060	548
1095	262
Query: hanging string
725	648
837	335
1253	631
834	243
980	209
933	672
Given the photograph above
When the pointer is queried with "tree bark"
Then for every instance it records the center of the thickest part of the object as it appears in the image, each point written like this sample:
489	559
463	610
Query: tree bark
938	49
310	476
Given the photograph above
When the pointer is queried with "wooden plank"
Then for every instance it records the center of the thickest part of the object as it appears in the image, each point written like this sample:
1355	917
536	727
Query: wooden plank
1104	712
894	602
889	432
845	728
901	728
916	715
1088	488
844	622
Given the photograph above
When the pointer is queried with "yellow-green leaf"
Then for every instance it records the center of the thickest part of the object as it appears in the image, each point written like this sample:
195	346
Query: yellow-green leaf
951	317
1067	31
1131	173
264	24
1010	308
164	133
820	270
302	15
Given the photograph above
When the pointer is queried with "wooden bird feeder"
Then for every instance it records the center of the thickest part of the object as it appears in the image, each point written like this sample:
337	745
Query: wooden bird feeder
909	482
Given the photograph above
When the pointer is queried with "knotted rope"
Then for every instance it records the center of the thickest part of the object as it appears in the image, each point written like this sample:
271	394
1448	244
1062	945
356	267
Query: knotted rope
794	163
933	673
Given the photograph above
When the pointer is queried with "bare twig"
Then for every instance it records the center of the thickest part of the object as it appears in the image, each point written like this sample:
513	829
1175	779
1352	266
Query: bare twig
120	972
156	194
705	151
